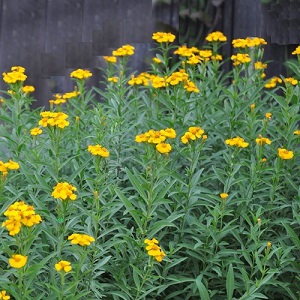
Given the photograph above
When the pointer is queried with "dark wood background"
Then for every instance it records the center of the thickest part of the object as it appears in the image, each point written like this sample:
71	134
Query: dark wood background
50	38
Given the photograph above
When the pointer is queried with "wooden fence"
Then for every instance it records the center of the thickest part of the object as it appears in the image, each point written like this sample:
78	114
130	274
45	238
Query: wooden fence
50	38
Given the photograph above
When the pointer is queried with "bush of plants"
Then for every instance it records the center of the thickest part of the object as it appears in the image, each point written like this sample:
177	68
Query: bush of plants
181	183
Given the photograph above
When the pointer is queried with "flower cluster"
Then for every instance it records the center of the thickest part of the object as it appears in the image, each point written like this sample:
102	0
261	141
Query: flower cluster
28	89
16	75
177	77
98	150
81	239
157	137
154	250
291	80
17	261
285	154
10	165
262	141
192	134
163	37
54	119
64	266
240	58
273	82
237	141
81	74
19	214
4	296
110	59
248	42
185	51
216	36
125	50
64	191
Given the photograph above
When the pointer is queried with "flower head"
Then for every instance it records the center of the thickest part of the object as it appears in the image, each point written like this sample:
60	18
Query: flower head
262	141
64	266
216	36
36	131
81	74
54	119
28	89
163	37
125	50
110	59
17	261
163	148
285	154
223	196
297	51
64	191
19	214
98	150
81	239
237	142
154	250
4	296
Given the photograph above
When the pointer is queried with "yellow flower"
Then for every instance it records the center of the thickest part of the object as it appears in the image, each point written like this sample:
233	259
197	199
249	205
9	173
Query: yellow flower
262	141
185	51
54	119
269	245
113	79
81	239
154	250
291	80
259	65
163	148
125	50
248	42
237	141
14	77
64	191
297	132
28	89
12	165
98	150
191	87
140	138
216	36
263	160
17	261
197	131
64	266
240	58
252	106
273	82
36	131
155	137
163	37
4	296
168	133
224	196
110	59
285	154
268	116
81	74
297	51
187	136
156	60
19	214
70	95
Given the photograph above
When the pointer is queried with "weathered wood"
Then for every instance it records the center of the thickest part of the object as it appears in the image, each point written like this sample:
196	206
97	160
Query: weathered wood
50	38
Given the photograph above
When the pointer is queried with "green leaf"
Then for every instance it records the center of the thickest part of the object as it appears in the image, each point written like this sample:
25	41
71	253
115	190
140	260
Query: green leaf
203	292
230	282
